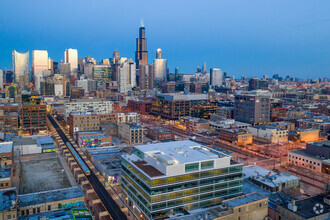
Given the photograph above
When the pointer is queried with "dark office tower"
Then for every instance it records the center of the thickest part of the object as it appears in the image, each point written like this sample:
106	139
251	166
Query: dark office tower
116	55
141	54
55	67
176	72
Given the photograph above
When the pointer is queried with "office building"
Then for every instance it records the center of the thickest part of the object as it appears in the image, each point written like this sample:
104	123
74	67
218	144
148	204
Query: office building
160	134
178	176
255	84
141	54
173	106
159	66
102	73
87	84
216	77
88	70
21	65
71	56
98	106
320	123
253	107
39	66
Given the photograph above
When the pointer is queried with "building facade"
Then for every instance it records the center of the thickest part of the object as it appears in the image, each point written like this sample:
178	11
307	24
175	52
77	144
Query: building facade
21	64
89	105
168	178
253	108
131	133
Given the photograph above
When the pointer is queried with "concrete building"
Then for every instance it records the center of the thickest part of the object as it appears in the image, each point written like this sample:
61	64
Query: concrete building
71	56
269	180
21	64
98	106
315	157
216	77
311	208
176	105
176	176
269	134
131	133
126	75
83	122
87	84
253	107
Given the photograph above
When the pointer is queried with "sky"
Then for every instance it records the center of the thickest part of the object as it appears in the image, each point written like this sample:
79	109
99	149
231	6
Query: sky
251	38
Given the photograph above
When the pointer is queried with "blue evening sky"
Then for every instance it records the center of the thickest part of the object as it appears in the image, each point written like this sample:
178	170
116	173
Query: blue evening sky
242	37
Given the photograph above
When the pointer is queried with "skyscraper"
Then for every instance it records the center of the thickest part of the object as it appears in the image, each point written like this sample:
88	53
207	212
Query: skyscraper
20	64
160	66
1	79
40	64
71	56
216	77
126	75
204	68
141	54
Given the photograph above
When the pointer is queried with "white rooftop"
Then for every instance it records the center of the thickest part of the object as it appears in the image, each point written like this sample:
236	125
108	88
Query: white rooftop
181	151
266	176
6	147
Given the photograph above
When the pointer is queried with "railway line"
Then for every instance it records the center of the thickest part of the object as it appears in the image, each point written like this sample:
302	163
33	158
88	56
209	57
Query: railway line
111	206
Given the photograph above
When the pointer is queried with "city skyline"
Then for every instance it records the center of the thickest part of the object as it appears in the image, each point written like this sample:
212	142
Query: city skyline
257	39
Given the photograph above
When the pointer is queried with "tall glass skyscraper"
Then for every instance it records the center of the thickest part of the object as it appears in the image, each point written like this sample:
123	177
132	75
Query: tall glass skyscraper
71	56
20	64
160	66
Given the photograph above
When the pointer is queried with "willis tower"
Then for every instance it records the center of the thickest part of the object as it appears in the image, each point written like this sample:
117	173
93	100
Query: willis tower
141	54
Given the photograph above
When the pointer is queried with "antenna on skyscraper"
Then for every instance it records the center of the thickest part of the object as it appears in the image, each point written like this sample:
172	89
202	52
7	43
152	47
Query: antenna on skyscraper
142	22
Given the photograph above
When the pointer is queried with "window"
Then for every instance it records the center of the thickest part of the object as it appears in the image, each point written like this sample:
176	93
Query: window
239	209
207	165
59	206
8	216
191	167
49	207
259	204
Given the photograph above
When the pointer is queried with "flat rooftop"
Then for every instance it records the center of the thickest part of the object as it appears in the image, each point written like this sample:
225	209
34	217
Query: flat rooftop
181	151
7	197
325	143
266	176
305	207
6	147
264	127
80	212
49	196
245	199
179	96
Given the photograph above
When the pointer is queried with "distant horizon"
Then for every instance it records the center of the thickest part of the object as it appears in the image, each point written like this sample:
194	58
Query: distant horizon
258	38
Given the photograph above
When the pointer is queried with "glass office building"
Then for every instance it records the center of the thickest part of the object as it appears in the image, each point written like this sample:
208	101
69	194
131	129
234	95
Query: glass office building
177	177
21	65
102	73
